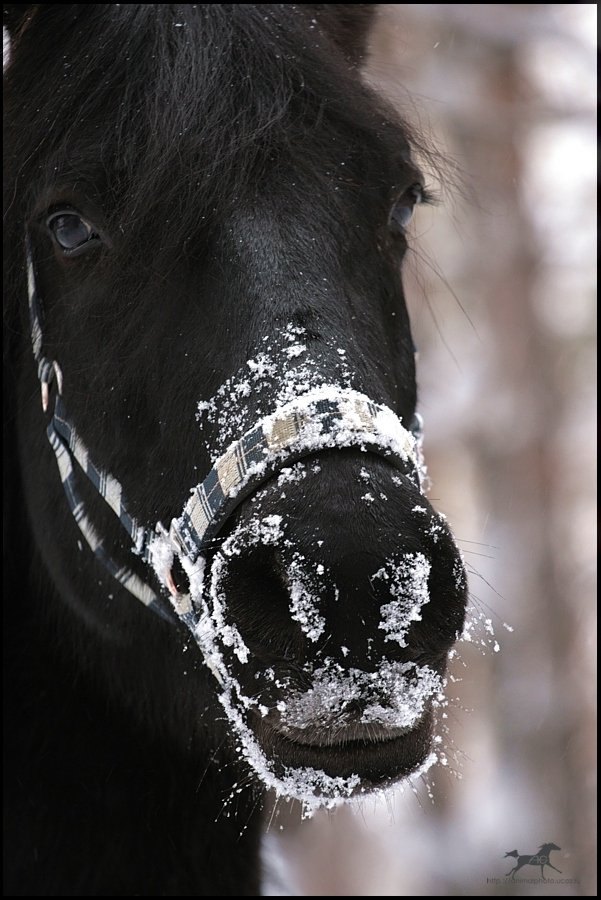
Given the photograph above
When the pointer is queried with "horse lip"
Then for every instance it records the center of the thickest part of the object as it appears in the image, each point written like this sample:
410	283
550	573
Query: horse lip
379	760
341	736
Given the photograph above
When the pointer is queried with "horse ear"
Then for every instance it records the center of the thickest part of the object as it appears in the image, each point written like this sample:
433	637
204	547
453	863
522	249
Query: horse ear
16	18
347	24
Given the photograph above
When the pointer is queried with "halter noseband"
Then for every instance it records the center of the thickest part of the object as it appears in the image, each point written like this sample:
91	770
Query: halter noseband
324	417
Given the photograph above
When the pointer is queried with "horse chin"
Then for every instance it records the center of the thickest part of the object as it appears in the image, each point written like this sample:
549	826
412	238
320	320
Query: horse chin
359	759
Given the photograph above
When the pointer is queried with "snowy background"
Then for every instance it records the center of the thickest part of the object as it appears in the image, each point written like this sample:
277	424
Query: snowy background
502	295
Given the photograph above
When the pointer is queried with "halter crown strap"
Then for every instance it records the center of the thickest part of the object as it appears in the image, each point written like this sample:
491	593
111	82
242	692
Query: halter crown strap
325	417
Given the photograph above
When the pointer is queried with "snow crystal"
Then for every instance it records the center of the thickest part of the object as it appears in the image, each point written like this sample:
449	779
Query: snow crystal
261	366
437	528
479	631
304	603
160	554
291	474
205	406
295	350
396	695
407	581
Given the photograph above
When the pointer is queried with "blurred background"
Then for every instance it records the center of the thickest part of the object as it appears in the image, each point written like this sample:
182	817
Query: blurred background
501	286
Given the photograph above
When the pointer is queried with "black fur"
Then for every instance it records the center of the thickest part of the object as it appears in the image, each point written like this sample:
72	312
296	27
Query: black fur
241	177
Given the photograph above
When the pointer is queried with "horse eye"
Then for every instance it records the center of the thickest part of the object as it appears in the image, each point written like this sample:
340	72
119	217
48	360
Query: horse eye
402	211
70	231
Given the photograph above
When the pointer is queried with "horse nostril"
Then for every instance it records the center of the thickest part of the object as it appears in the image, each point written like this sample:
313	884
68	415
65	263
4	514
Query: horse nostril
255	589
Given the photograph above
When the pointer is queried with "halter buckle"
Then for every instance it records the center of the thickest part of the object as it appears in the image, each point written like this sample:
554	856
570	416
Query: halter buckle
47	373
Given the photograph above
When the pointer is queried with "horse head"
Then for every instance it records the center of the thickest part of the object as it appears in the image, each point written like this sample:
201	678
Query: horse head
217	217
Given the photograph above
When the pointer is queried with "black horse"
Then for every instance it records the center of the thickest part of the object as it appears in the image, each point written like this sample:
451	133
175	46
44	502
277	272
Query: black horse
206	214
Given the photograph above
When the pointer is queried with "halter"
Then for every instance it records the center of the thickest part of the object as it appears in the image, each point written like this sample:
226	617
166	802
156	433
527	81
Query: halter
322	418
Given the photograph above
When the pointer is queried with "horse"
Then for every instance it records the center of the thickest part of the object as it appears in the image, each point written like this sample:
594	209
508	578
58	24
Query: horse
540	858
222	573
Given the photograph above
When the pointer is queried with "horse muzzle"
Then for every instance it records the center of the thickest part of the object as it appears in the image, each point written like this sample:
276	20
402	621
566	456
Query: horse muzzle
335	597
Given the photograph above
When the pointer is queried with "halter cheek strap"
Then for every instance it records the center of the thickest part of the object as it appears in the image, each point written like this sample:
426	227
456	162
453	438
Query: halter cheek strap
69	449
323	418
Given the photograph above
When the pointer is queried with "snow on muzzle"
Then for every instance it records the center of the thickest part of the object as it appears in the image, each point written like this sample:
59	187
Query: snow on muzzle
327	612
321	683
